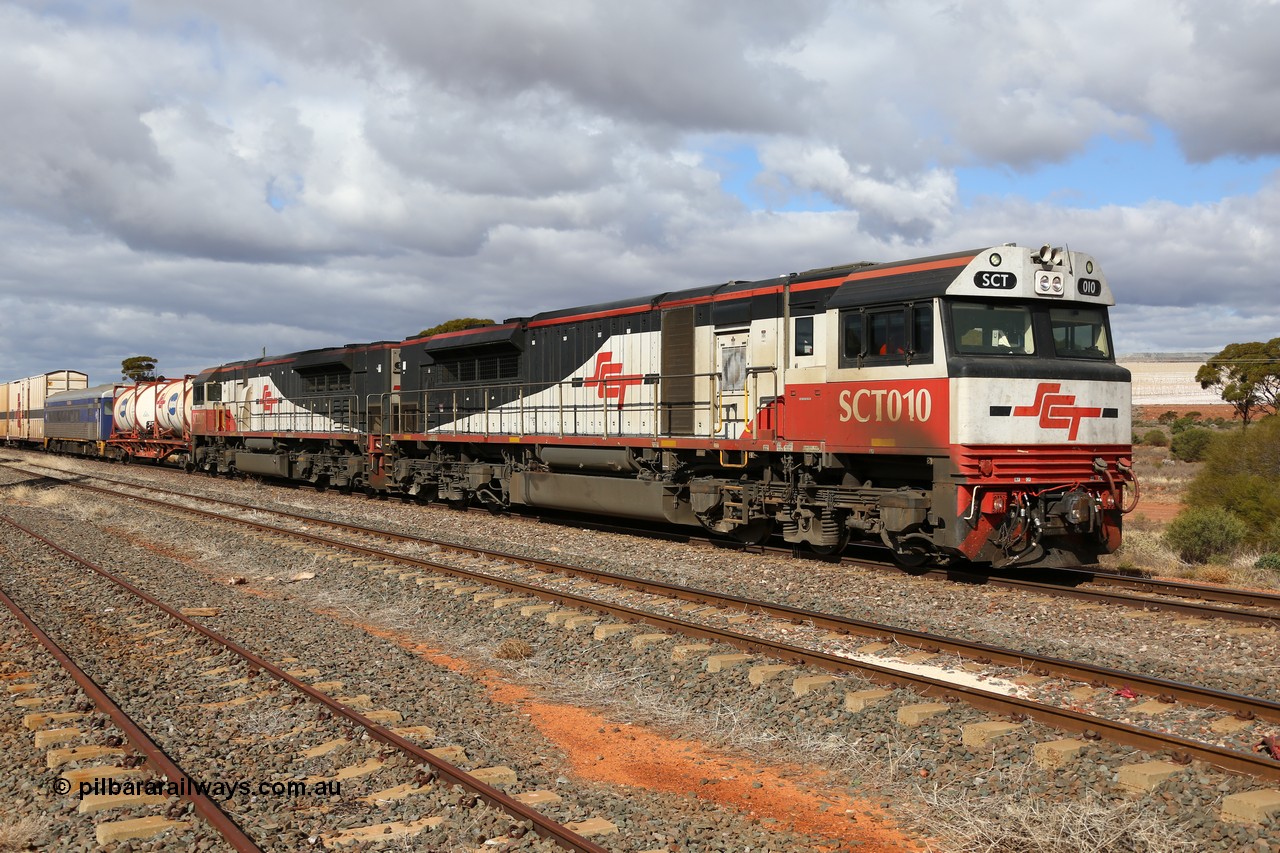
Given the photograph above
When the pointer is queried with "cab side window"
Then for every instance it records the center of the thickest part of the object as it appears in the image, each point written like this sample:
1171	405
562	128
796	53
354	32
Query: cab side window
922	333
887	333
850	338
902	334
804	336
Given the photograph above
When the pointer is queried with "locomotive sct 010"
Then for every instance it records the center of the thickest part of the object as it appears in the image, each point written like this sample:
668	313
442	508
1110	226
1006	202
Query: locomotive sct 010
960	406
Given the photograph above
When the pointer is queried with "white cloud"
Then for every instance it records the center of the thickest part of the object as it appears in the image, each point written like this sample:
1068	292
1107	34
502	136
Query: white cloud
294	174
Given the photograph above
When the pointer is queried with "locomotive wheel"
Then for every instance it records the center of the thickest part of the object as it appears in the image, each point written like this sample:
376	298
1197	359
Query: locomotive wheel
911	559
834	549
755	533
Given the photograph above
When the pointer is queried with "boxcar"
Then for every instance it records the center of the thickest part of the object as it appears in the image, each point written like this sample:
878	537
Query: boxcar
22	404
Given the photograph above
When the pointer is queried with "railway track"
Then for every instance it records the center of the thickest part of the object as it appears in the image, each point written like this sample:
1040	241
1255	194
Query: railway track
168	647
577	607
1180	597
55	728
1204	601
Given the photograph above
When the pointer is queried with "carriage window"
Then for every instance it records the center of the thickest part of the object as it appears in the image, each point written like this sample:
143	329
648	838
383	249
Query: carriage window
213	392
197	395
850	338
1080	333
804	336
992	329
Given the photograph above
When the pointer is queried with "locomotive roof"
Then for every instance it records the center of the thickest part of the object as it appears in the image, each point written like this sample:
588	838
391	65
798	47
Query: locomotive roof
907	272
857	283
301	360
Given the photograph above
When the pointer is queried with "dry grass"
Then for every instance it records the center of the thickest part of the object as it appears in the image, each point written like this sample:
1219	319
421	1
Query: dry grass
1160	474
21	493
18	834
270	722
62	500
33	496
1142	549
513	649
1239	572
1033	824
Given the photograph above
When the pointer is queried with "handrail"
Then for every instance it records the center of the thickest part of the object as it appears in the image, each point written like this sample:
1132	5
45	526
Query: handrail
529	409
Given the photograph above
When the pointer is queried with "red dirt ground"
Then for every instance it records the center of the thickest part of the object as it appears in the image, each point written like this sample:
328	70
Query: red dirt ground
1157	511
1147	414
601	750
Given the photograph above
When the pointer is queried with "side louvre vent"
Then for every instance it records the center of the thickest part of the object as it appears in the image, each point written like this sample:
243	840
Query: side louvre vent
677	370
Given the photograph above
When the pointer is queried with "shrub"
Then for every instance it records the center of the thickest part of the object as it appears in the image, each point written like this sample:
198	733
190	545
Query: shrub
1240	474
1155	438
1268	561
1201	533
1168	417
1190	446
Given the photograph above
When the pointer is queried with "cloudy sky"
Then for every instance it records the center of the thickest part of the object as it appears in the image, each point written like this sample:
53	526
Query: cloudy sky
198	181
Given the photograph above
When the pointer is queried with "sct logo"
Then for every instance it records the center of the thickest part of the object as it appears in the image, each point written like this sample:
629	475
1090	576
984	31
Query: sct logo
1054	410
609	381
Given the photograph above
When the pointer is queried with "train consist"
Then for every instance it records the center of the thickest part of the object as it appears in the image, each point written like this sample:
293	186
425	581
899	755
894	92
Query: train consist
58	412
961	406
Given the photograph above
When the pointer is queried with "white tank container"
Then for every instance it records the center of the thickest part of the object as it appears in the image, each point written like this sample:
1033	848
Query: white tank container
173	401
135	408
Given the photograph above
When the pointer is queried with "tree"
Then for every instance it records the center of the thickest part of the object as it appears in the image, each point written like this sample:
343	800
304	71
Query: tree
139	368
455	326
1247	376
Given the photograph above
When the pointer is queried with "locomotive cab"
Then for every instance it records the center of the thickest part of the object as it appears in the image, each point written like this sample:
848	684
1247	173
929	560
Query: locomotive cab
985	407
1041	437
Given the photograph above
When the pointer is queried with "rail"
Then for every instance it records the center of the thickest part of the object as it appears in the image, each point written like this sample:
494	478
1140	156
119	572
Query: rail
542	825
1066	719
206	807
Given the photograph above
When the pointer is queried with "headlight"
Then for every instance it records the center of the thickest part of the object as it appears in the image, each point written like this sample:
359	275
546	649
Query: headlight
1050	283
